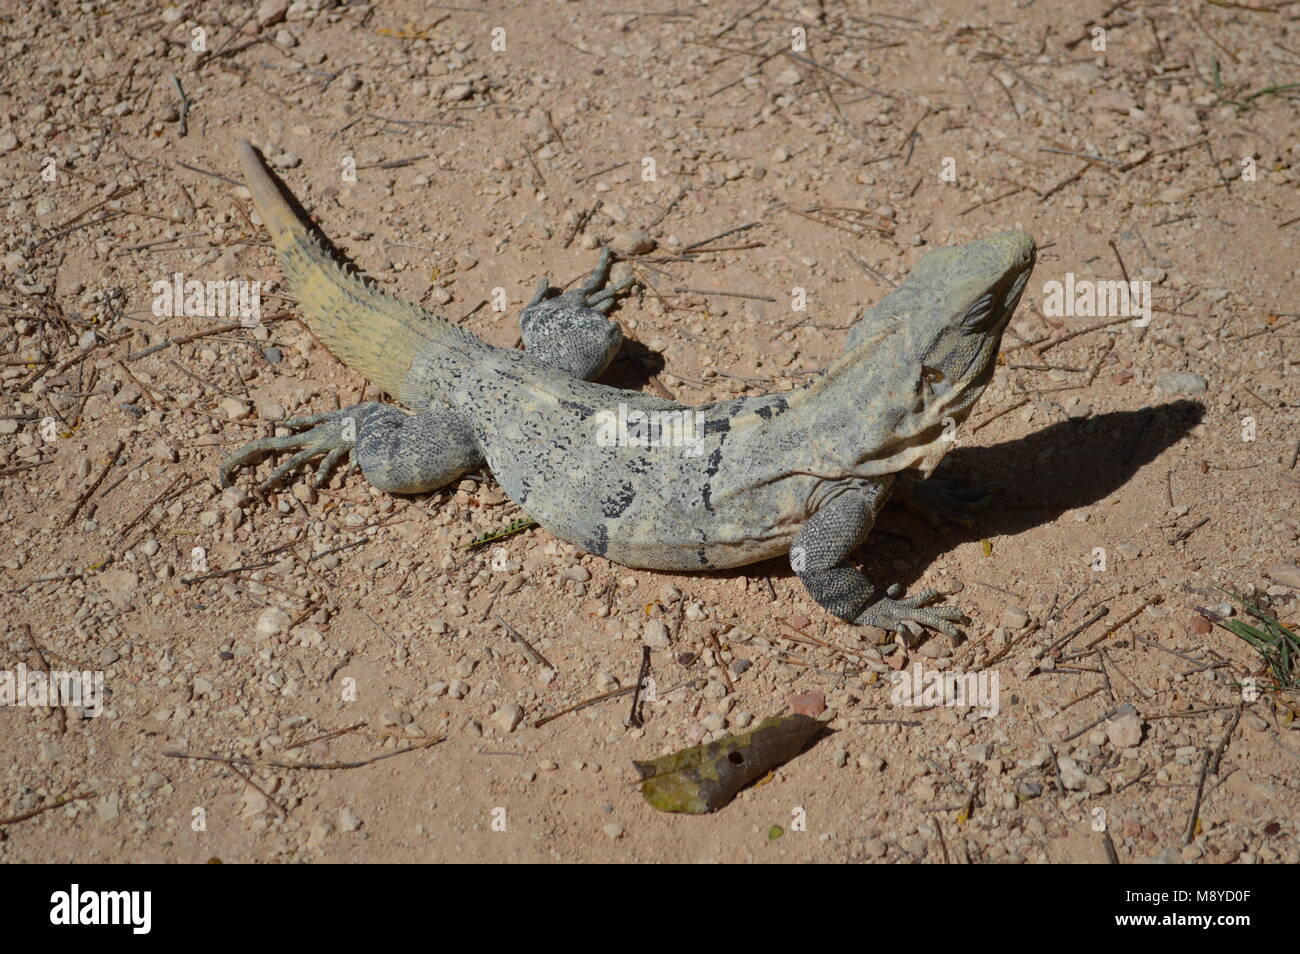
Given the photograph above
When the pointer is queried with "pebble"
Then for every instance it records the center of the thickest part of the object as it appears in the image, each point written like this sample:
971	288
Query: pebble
348	821
233	408
1180	382
808	703
632	242
106	809
871	762
1013	617
1124	732
508	716
1287	574
272	621
271	12
655	633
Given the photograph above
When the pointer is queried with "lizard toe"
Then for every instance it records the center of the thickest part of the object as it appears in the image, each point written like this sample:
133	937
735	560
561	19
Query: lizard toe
890	614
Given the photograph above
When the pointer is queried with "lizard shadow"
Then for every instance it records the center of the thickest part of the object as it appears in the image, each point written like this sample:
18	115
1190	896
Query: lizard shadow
1074	463
633	366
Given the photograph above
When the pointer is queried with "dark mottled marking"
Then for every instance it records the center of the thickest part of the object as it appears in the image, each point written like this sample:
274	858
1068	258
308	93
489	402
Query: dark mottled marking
715	461
616	505
599	543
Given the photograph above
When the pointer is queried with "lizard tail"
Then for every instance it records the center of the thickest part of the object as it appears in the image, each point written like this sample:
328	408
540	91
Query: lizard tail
369	331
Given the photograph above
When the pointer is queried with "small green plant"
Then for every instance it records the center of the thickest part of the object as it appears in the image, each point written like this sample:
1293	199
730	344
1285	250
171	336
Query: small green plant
1279	647
1282	90
508	531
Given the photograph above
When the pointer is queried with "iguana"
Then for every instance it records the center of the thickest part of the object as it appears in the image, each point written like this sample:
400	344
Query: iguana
804	472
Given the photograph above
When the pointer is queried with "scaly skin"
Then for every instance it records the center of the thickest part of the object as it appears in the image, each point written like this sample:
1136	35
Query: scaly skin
803	473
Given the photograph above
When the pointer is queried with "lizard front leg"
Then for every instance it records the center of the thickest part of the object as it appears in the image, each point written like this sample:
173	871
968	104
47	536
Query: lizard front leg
820	556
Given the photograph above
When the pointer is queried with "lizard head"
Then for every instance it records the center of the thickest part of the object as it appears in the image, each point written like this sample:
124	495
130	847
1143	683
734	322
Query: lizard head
933	343
970	293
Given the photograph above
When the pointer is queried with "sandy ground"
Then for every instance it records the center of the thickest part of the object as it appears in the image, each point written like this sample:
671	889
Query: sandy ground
1140	467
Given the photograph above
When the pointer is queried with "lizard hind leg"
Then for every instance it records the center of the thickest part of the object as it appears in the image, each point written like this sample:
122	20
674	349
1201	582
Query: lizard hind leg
397	452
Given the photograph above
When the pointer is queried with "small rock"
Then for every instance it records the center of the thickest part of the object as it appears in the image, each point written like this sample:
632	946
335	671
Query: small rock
808	703
655	633
119	586
632	242
1124	732
871	762
1013	617
508	716
106	809
1072	776
1180	382
271	12
272	622
348	821
1288	574
1114	100
233	408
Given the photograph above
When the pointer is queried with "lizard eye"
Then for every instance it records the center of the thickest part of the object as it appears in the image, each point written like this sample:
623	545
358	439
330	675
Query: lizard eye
978	313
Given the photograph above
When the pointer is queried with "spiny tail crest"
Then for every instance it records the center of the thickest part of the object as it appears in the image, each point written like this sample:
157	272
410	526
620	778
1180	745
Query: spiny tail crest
369	331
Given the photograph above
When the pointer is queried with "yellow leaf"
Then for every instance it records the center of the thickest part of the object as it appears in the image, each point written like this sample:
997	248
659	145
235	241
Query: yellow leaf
987	546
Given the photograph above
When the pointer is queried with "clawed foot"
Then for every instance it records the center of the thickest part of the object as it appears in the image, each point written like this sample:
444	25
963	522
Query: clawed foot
590	294
888	613
937	500
332	434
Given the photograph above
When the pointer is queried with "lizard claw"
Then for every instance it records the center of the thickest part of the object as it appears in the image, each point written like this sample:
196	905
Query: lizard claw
889	613
595	293
331	434
937	500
